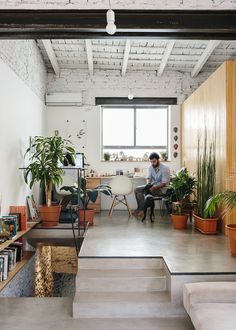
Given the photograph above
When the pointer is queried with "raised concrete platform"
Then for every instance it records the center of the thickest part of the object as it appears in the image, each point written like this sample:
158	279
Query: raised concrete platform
184	251
111	285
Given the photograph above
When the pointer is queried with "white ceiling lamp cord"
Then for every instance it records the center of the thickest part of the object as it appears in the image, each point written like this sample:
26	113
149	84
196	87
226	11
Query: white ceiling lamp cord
111	27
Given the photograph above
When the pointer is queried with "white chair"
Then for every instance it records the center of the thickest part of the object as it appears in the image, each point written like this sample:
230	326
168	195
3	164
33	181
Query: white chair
121	186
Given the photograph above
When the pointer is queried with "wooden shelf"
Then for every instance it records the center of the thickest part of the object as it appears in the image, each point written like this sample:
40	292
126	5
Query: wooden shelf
21	233
19	265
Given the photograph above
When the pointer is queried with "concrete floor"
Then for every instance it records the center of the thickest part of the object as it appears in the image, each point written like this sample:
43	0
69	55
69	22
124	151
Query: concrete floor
55	314
184	251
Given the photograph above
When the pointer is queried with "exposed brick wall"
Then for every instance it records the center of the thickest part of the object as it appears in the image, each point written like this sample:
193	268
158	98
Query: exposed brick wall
24	58
111	83
120	4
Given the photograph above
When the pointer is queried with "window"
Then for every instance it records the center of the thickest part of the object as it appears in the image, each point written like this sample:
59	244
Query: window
133	132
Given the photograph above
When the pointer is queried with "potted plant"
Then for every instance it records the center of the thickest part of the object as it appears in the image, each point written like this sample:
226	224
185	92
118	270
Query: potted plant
44	168
179	196
85	196
228	200
206	172
107	156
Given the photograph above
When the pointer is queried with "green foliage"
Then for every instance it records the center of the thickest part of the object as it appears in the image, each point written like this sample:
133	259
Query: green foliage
180	191
206	172
44	162
227	199
107	156
88	195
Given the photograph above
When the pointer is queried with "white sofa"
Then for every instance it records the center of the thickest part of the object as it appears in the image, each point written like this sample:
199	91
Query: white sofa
211	305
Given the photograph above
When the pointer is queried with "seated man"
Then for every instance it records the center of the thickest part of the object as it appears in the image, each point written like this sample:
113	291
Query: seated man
158	176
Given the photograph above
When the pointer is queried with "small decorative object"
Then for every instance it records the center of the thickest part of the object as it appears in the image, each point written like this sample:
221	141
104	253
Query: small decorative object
175	154
175	146
145	156
116	157
107	156
130	158
164	155
175	129
176	138
56	132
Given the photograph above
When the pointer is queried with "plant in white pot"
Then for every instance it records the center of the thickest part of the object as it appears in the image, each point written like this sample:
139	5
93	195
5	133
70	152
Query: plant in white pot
48	153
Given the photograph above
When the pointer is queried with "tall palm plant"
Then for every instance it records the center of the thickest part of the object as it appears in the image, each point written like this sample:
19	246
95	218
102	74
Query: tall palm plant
206	173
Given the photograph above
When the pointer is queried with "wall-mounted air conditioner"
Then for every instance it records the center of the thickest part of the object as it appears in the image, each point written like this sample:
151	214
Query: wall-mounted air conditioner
63	99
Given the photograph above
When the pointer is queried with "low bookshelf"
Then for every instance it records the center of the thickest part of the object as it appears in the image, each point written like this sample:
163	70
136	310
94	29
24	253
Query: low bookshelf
27	255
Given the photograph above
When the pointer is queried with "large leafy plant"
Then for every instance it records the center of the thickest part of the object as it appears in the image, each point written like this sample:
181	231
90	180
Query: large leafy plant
87	195
227	199
48	153
206	173
181	191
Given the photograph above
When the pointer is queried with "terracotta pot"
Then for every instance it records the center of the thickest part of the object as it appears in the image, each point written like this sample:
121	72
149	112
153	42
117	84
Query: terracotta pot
179	221
49	215
205	226
232	238
86	216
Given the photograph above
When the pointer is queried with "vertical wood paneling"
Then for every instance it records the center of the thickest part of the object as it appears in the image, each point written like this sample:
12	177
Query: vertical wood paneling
213	107
231	132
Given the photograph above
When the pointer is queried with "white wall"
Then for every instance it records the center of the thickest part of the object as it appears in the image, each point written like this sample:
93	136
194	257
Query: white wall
111	84
119	4
57	119
21	116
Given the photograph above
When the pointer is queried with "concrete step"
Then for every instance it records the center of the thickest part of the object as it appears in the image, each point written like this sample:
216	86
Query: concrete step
120	263
124	305
91	273
121	280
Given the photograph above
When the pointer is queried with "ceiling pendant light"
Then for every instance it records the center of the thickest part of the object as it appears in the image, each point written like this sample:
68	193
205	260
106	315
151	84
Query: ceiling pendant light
130	95
111	27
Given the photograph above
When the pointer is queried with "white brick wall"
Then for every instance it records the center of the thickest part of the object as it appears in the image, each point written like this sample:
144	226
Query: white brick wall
24	58
111	83
120	4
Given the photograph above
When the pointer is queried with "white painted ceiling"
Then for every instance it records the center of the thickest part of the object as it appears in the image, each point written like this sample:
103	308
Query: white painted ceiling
191	56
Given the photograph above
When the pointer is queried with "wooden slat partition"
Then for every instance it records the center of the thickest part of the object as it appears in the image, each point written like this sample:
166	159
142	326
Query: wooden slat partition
212	107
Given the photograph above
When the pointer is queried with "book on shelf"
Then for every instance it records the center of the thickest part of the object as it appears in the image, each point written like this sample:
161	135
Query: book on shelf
10	255
4	257
22	211
14	250
33	212
10	224
19	247
1	269
17	216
